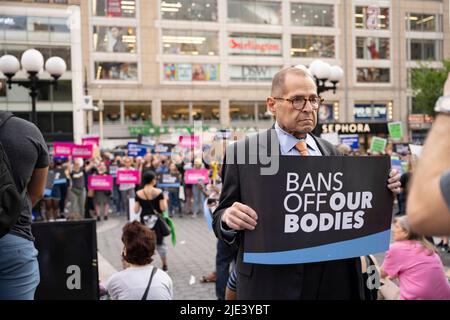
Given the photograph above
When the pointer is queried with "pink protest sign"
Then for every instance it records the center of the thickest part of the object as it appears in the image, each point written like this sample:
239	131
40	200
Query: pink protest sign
80	151
104	182
94	140
189	141
128	176
194	176
62	149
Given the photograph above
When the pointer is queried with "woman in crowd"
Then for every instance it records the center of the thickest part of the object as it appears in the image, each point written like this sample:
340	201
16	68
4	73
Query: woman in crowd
140	280
199	197
174	200
416	264
52	201
101	197
78	187
127	189
152	202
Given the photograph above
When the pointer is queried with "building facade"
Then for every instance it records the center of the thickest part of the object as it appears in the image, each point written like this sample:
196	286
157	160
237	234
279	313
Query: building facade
45	26
170	62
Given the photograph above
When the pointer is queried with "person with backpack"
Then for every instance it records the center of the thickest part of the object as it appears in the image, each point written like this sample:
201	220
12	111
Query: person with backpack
24	164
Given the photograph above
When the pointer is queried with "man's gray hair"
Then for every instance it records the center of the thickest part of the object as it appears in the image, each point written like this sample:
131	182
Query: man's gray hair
279	79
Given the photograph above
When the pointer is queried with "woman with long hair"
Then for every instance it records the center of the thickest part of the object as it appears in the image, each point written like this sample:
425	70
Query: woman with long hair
415	262
153	203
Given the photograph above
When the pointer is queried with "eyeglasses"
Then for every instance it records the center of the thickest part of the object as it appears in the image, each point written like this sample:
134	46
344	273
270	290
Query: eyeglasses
299	103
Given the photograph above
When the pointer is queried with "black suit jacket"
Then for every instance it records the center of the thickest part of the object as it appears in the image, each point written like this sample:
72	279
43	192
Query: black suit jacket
338	279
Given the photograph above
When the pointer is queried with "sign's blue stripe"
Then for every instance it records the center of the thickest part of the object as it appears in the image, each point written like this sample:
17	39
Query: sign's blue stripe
60	181
167	185
377	242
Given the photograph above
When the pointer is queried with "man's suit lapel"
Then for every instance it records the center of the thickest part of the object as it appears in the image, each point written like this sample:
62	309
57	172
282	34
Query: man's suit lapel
323	149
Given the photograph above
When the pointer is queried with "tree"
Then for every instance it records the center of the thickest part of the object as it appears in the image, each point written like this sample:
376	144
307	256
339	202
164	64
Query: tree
427	84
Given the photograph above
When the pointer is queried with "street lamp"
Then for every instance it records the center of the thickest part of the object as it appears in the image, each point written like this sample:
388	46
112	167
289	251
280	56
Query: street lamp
322	73
32	62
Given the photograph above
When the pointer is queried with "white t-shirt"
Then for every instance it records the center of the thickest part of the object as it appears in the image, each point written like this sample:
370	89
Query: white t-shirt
130	284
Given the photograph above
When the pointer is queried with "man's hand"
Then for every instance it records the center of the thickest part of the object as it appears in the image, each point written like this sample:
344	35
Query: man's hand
240	217
394	182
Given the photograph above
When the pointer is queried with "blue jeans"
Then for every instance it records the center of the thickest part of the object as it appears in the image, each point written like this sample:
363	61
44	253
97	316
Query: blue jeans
174	202
19	268
198	199
224	257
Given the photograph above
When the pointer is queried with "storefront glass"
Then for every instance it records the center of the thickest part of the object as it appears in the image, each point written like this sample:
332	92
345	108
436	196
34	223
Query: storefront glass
190	42
256	12
370	48
114	39
312	46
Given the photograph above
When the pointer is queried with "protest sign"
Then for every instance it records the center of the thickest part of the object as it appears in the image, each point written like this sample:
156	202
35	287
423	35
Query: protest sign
136	150
196	176
62	149
128	176
189	141
91	140
168	181
378	144
82	151
352	140
324	208
100	182
395	130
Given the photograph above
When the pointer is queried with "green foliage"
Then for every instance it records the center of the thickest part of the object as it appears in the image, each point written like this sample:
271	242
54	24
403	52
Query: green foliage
427	85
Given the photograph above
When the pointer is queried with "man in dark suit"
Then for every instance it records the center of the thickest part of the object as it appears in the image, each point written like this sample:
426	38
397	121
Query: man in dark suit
294	103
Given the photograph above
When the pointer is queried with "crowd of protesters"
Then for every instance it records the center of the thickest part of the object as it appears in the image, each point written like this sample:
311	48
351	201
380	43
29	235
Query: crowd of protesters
70	198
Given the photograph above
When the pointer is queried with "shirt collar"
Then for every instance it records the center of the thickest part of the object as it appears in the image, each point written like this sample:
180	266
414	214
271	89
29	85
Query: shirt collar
288	141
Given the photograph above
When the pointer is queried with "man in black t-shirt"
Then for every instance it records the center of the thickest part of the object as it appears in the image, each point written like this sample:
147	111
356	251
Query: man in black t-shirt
28	156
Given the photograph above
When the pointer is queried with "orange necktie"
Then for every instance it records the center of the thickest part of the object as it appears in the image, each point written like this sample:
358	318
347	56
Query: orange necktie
302	148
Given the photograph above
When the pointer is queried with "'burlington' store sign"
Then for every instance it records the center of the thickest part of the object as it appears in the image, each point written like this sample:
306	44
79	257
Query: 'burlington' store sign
342	128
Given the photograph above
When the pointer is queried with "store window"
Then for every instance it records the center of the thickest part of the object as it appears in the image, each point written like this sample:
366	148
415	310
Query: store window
254	44
8	22
114	39
116	71
326	113
373	75
208	111
242	111
366	18
256	12
424	22
63	91
252	73
190	42
114	8
312	15
191	10
313	46
111	112
138	111
174	112
425	49
371	48
370	111
191	72
62	122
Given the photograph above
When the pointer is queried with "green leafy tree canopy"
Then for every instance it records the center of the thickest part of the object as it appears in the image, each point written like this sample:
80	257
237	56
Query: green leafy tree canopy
427	84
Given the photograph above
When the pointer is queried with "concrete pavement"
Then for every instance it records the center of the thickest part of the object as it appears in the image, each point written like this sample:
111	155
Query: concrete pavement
191	258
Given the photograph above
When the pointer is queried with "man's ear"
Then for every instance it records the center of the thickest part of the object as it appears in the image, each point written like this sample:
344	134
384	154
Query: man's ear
270	102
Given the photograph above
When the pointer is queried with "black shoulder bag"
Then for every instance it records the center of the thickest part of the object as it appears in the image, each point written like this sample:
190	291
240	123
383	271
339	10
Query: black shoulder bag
144	297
